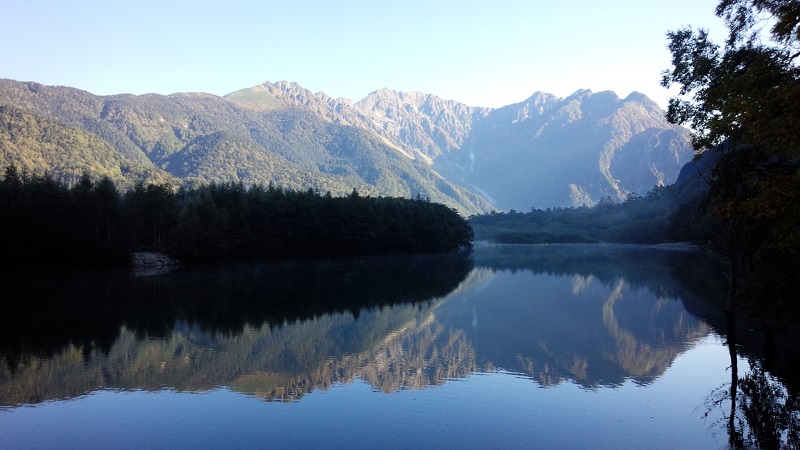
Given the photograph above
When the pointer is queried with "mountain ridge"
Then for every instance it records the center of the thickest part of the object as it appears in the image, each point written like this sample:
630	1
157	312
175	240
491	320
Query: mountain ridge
625	145
579	149
206	138
547	151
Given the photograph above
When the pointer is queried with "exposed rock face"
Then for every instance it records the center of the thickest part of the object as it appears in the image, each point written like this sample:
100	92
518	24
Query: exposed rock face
423	122
542	152
566	152
422	125
279	134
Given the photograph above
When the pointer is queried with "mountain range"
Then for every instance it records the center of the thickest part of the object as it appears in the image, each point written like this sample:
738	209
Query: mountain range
542	152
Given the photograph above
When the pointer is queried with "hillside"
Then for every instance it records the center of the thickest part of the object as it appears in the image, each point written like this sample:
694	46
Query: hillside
199	137
548	151
543	152
668	214
40	145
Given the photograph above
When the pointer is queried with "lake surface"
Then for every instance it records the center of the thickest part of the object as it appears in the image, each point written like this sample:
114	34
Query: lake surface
509	347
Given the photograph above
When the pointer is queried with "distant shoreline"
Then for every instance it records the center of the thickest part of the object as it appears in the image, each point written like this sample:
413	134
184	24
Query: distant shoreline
672	246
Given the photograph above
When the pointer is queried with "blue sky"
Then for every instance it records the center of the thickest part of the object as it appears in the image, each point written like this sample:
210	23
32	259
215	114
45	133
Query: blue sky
482	53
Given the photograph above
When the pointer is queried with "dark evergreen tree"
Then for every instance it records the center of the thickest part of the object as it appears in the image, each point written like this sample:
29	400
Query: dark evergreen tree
91	223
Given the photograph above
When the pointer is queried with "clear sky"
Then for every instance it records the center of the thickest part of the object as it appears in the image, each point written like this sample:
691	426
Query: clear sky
482	53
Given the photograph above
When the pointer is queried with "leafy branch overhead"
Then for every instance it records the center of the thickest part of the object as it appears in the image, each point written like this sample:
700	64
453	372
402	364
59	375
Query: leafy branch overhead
746	90
742	99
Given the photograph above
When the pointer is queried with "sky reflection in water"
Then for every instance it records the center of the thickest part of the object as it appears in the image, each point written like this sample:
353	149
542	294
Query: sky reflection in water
550	350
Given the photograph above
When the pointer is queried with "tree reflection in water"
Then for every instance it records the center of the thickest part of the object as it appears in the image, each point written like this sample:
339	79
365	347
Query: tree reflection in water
763	412
279	331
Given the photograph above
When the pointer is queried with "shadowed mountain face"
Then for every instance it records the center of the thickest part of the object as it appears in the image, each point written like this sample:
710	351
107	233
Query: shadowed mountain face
592	317
559	152
545	151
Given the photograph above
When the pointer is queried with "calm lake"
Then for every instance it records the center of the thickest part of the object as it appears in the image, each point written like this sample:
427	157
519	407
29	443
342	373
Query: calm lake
507	347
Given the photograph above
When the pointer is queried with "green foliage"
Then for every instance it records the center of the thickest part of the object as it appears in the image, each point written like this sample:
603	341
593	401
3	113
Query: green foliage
637	220
47	223
44	146
228	221
747	96
200	138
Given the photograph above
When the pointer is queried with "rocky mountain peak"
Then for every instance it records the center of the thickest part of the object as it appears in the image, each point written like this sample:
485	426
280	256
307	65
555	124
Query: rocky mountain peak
615	146
423	122
292	92
641	98
544	151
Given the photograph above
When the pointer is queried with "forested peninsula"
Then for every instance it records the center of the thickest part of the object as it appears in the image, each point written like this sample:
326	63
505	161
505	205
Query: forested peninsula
46	223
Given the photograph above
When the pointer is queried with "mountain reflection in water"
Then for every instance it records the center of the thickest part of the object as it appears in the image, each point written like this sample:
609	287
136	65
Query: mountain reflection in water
280	330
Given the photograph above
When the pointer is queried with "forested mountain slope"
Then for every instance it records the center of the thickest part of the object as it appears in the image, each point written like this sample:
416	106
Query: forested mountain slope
40	144
203	138
545	151
542	152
